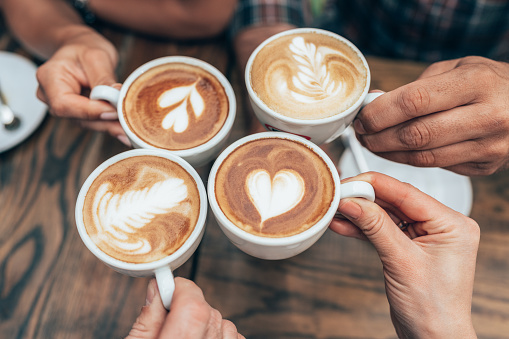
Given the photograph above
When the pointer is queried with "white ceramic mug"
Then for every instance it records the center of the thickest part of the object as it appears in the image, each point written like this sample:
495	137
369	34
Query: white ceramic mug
161	269
196	156
318	131
282	248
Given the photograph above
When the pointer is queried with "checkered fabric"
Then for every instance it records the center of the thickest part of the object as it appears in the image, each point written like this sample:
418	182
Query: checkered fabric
425	30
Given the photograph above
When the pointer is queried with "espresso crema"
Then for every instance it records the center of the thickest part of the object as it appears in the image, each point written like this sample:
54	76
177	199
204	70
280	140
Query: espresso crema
274	187
141	209
175	106
308	76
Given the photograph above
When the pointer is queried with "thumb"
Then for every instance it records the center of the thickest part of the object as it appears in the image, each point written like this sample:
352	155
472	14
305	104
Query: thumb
152	316
376	225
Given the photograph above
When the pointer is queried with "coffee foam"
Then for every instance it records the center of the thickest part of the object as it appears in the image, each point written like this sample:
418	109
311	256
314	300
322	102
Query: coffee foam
274	187
308	76
176	106
141	209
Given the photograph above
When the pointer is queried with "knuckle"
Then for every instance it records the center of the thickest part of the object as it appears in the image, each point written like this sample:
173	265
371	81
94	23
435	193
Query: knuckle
228	326
425	158
199	310
415	135
58	108
372	224
413	101
484	168
473	231
483	74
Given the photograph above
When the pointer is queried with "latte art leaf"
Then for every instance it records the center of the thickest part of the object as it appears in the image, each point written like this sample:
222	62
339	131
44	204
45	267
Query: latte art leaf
178	118
117	215
313	80
273	197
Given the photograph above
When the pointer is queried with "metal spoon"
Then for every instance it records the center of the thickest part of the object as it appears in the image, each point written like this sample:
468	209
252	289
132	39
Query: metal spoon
7	116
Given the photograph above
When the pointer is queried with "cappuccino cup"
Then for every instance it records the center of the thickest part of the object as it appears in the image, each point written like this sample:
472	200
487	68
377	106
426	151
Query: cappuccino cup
176	103
274	194
309	82
142	213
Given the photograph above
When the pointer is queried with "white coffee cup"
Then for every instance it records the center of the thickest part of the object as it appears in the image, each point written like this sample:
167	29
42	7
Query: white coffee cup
196	156
161	269
318	131
282	248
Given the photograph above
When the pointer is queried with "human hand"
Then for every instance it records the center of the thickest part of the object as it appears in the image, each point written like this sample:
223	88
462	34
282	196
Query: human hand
455	116
83	61
190	316
428	268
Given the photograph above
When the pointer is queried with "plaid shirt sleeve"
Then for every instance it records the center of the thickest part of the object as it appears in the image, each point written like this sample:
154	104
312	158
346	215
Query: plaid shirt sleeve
266	12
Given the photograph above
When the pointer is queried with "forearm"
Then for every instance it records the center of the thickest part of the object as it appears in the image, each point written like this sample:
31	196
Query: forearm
170	18
42	26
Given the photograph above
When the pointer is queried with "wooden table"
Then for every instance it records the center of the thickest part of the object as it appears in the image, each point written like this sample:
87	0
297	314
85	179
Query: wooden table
51	286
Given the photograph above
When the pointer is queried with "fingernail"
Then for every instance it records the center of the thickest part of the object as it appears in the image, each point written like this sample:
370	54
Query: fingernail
350	209
123	139
151	292
359	128
376	91
109	116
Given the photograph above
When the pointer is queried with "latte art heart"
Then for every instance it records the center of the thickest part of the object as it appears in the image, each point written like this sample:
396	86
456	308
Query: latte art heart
274	187
273	197
180	97
175	106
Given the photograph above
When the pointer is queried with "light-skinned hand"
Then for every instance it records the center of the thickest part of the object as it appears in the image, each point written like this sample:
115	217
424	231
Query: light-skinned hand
84	61
428	268
455	116
190	316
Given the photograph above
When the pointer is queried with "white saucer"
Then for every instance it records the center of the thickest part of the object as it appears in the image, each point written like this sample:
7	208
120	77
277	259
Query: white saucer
19	85
451	189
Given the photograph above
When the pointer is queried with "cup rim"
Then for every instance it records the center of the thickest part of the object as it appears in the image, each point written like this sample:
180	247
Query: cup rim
305	122
153	265
266	241
230	94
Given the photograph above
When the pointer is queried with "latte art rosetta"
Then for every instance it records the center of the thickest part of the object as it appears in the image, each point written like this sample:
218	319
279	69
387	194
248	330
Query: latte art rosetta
119	215
308	75
141	209
313	81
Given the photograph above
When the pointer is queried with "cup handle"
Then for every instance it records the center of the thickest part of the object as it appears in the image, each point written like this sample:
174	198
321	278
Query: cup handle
166	285
370	97
107	93
357	189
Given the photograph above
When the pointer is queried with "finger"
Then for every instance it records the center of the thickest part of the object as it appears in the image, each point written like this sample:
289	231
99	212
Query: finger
60	86
111	127
189	313
214	327
429	131
99	68
413	203
439	68
421	97
229	330
152	316
347	229
377	226
486	157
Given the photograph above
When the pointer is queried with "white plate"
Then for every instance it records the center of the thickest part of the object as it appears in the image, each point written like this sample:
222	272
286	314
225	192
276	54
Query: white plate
19	85
451	189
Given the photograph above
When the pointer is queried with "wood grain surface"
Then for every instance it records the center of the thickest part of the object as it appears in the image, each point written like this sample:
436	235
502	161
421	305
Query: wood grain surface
51	286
